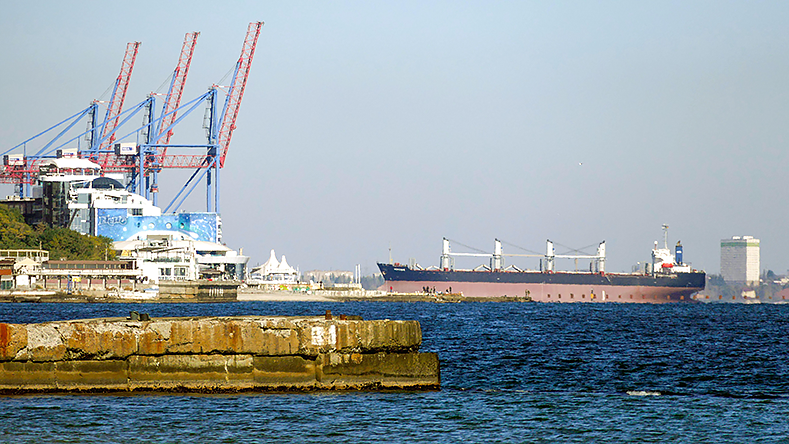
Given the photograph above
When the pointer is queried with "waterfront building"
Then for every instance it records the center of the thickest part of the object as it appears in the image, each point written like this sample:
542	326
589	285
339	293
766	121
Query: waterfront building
20	267
72	192
174	256
740	260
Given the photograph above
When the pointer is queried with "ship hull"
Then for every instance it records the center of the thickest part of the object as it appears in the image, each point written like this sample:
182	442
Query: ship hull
546	287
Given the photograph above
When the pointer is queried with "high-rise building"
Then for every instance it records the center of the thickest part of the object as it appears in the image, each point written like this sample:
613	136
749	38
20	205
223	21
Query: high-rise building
740	260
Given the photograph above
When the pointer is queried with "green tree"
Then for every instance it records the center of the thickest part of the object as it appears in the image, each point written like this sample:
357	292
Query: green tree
14	232
68	244
62	243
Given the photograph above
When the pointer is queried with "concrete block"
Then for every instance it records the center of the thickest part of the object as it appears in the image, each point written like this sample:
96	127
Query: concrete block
44	343
356	371
91	375
257	339
98	340
27	376
181	336
320	336
192	372
13	338
214	335
284	372
385	335
154	337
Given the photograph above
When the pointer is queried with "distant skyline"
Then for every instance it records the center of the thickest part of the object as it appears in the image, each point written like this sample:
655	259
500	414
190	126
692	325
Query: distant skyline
366	125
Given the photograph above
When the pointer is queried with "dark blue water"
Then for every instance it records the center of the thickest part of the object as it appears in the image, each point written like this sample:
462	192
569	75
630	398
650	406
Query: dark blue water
511	372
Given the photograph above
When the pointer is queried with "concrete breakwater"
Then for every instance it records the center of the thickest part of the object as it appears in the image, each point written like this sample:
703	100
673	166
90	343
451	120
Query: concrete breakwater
214	354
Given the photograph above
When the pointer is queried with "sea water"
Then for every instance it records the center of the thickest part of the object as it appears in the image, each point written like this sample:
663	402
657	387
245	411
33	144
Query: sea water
510	372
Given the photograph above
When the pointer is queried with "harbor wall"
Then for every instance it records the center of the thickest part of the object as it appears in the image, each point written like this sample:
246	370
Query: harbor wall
200	290
214	354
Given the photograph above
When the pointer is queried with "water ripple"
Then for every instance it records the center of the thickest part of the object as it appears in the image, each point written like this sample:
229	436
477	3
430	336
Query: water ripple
511	372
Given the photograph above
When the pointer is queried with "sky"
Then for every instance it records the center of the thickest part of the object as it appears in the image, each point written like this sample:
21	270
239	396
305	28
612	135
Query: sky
368	126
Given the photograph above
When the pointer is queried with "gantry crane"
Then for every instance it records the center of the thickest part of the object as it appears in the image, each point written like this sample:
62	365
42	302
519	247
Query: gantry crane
220	129
22	170
161	129
153	137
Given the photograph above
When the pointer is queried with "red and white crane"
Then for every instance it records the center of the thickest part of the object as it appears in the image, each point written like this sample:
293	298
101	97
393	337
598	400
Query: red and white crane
154	150
115	106
235	92
173	99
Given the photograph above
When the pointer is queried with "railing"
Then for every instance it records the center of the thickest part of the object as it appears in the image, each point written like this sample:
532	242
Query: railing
36	255
88	272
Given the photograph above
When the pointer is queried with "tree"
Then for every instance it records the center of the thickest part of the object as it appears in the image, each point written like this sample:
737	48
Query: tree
66	243
14	232
60	242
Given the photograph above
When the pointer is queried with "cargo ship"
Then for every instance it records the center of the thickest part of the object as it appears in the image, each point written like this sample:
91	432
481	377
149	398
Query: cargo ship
665	279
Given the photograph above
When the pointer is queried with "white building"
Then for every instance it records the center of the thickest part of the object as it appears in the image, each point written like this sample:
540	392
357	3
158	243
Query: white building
172	256
740	260
105	193
76	195
74	191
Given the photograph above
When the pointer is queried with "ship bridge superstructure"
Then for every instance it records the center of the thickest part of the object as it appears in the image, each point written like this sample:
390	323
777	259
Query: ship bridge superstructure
663	261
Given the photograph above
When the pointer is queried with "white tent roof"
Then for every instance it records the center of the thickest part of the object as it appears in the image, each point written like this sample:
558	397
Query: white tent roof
269	266
272	266
284	267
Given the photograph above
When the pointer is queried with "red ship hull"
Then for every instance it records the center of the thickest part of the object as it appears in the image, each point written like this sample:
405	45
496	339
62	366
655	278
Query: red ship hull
548	292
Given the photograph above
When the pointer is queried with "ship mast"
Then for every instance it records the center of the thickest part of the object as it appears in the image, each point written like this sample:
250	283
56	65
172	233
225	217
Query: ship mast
665	236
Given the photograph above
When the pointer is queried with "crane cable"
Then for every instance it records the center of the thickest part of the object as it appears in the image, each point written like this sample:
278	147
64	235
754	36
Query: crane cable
520	248
573	250
467	246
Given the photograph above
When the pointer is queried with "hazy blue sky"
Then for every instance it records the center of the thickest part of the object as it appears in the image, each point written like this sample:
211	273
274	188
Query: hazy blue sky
368	124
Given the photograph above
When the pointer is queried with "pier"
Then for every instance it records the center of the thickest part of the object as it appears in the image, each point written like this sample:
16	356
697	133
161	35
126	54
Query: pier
214	355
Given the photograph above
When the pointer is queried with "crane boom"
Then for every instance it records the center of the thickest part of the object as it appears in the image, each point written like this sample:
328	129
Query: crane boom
236	92
173	99
119	93
116	101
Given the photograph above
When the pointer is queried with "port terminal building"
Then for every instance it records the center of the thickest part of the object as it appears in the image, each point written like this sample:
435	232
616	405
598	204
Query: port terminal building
740	260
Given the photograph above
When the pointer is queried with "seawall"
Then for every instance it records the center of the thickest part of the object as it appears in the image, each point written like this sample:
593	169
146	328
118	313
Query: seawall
215	354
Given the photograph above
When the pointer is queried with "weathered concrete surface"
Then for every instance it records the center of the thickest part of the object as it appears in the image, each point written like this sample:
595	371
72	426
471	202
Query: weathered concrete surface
215	354
198	291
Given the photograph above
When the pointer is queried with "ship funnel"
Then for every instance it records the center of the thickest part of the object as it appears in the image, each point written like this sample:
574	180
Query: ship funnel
678	253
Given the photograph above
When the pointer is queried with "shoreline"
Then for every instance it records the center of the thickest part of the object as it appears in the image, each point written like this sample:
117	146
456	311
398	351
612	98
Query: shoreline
256	295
